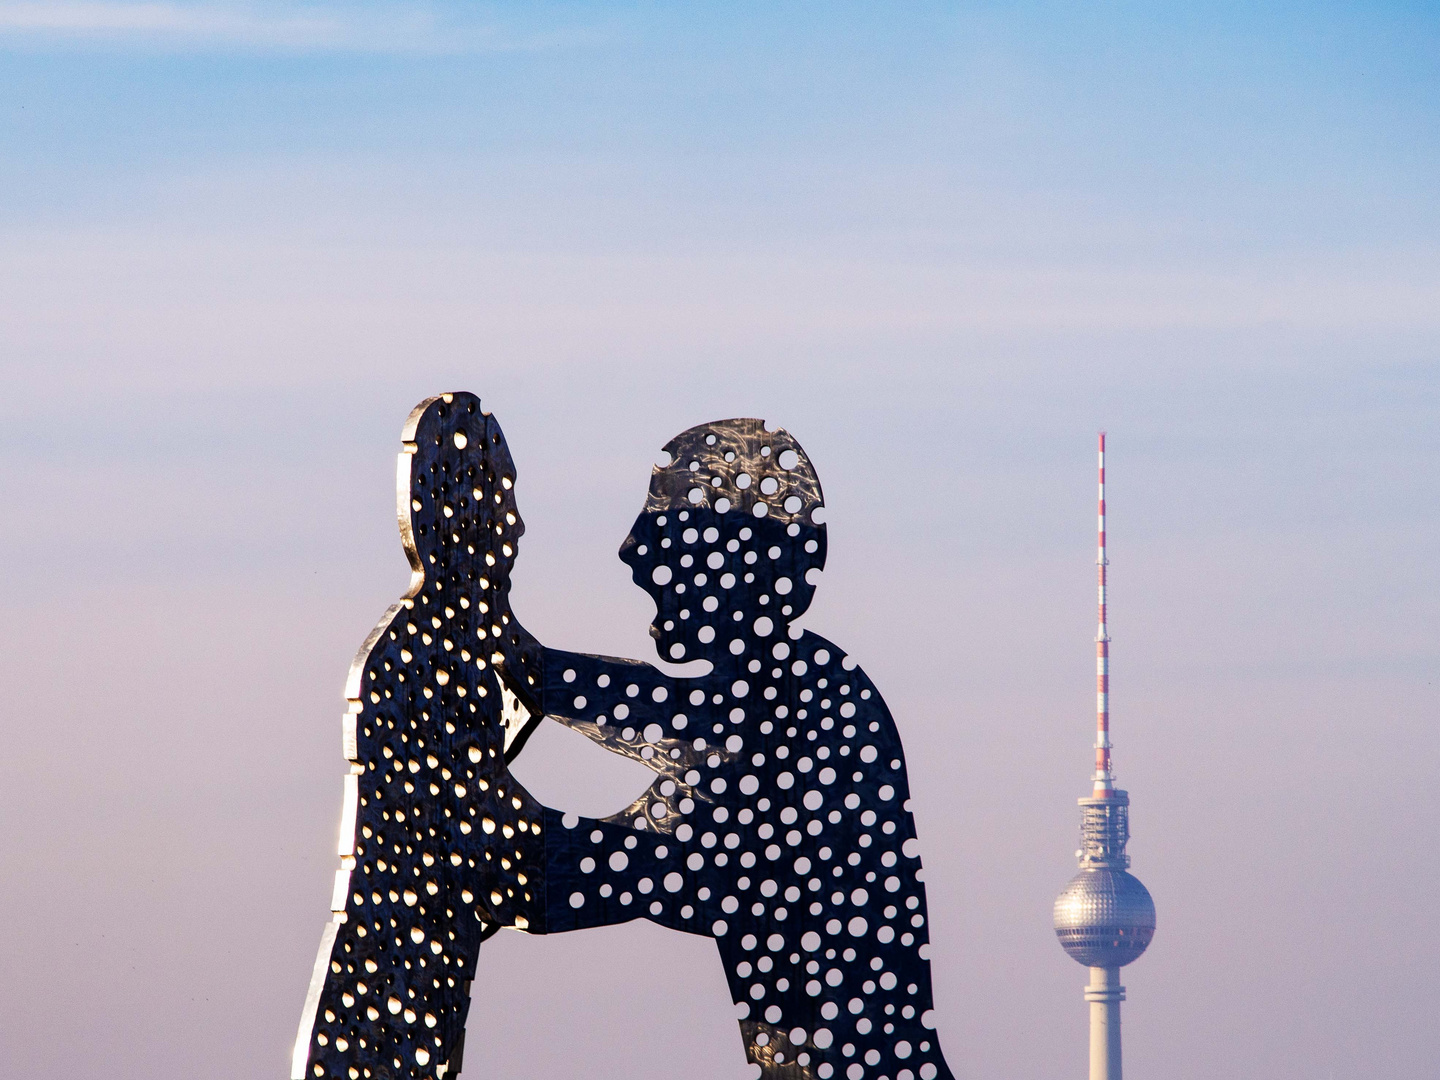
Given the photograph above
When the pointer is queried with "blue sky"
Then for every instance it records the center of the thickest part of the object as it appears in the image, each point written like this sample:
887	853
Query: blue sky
1289	124
942	245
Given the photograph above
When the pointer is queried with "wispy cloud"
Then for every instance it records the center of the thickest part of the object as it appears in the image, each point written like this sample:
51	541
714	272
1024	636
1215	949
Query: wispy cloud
402	27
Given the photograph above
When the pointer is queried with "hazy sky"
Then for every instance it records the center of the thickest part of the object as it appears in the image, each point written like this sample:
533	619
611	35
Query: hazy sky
942	245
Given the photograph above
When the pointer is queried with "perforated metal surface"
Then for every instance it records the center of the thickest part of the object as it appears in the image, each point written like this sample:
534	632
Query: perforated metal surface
778	823
439	847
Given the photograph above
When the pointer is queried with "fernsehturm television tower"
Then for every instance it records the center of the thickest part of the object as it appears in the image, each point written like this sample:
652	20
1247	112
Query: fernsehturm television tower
1104	918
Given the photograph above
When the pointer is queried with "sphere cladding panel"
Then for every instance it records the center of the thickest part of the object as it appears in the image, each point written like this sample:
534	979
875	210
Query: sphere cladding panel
1104	918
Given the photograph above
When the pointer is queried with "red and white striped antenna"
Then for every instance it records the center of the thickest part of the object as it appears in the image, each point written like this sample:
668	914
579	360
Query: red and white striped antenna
1104	779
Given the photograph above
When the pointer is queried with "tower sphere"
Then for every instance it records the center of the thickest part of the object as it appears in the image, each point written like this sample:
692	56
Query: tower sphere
1104	917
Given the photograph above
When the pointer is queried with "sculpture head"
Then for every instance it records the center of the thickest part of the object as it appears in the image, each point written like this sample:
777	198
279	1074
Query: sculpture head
461	530
460	524
727	537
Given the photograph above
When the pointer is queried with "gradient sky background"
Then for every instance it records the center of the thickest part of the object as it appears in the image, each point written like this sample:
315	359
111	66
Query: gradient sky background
942	245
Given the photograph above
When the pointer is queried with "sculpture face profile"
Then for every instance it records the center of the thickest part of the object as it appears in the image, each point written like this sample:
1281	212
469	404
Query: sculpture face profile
738	468
777	823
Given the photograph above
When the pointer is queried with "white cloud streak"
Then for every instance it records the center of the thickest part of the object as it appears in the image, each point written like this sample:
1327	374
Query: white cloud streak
395	28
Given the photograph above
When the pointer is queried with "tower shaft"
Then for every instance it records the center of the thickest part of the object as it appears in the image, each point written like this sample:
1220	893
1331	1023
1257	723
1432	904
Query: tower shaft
1105	995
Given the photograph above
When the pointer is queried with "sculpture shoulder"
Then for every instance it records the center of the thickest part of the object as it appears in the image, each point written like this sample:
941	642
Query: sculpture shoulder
824	659
847	695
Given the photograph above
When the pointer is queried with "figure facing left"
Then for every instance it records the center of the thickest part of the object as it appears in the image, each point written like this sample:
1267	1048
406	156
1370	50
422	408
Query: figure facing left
439	846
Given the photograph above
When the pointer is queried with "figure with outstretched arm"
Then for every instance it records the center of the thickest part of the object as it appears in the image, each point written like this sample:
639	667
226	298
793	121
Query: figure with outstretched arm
439	846
779	821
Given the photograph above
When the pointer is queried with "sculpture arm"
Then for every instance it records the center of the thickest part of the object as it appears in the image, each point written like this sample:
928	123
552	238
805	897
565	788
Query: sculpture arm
603	872
595	692
639	713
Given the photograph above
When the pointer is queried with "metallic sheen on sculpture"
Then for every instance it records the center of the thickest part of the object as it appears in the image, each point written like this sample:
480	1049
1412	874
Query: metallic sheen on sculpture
778	823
